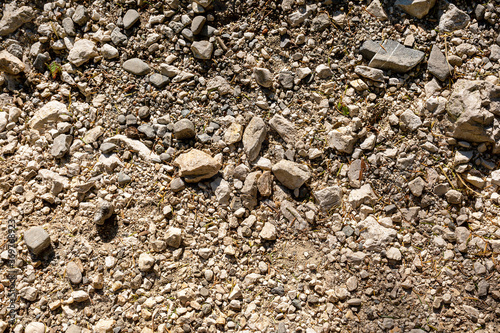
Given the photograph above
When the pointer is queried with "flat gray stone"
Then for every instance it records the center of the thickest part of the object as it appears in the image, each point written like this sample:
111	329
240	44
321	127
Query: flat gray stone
285	129
158	80
329	197
292	175
136	66
263	77
37	240
437	64
130	18
373	74
396	57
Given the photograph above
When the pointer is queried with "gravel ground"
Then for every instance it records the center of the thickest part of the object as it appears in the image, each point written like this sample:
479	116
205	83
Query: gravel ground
250	166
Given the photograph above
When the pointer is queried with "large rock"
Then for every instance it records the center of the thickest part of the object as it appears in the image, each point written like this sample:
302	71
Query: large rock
437	64
82	51
196	165
416	8
47	115
374	235
285	129
136	66
263	77
474	108
37	240
10	64
392	55
255	133
292	175
202	49
453	19
13	18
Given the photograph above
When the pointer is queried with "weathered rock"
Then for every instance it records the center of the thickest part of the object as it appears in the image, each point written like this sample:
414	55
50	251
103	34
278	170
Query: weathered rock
373	74
146	262
342	139
453	19
363	195
10	64
253	137
4	120
263	77
375	8
220	84
392	55
73	272
300	15
184	129
35	327
268	232
173	237
249	190
37	240
265	184
375	236
202	50
103	212
355	173
13	18
197	24
292	175
394	254
61	145
83	50
292	215
285	78
80	16
109	51
196	165
135	146
329	197
437	64
79	296
323	71
104	326
471	108
233	133
416	8
285	129
136	66
410	121
130	18
417	186
454	197
222	190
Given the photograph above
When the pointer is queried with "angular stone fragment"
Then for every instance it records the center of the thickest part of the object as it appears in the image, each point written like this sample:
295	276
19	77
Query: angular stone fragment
103	212
300	15
173	237
249	190
363	195
437	64
35	327
202	49
292	215
285	128
73	272
196	165
104	326
373	74
471	108
416	8
265	184
342	139
375	236
255	133
329	197
233	133
61	145
184	129
10	64
268	232
13	18
453	19
37	240
83	50
410	121
375	8
47	114
134	145
292	175
394	56
146	262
